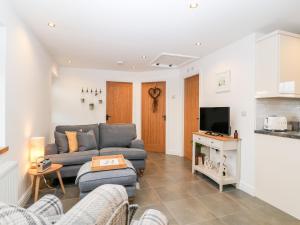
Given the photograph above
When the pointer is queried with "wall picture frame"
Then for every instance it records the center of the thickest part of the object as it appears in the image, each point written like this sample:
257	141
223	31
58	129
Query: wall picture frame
223	81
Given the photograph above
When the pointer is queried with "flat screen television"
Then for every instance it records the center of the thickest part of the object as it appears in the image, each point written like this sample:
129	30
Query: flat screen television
215	120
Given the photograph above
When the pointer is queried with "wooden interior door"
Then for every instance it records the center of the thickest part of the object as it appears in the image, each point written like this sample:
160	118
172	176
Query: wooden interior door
154	123
191	112
118	102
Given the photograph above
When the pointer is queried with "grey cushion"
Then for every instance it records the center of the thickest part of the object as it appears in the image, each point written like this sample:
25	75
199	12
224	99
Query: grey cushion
90	181
137	143
82	128
61	141
128	153
74	158
116	135
86	140
51	149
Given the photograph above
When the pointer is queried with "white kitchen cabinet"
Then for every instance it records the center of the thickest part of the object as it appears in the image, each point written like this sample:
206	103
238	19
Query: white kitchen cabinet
278	65
277	179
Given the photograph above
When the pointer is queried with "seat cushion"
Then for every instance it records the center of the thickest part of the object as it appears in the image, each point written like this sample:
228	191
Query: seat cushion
128	153
116	135
74	158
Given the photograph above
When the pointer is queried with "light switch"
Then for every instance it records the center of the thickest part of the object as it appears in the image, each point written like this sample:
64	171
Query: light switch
244	113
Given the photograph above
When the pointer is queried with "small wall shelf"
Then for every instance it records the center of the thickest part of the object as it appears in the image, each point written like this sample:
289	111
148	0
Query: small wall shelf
224	145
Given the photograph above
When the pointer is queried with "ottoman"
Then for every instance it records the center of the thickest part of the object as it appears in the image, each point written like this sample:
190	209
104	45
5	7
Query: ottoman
88	180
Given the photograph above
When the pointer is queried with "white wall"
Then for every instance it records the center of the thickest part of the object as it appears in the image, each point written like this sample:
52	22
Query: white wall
27	93
67	108
2	84
239	59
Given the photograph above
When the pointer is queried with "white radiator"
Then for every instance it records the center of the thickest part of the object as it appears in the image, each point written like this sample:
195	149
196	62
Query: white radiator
9	182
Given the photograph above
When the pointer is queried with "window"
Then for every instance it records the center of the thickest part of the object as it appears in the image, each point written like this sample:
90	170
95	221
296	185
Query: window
2	84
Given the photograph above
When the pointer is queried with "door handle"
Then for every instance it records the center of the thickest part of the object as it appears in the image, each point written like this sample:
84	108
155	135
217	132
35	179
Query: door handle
107	117
164	117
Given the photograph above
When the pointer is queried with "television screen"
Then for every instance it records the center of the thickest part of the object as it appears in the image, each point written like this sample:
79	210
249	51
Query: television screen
215	119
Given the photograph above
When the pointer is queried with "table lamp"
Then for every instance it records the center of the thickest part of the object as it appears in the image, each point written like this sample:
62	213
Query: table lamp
37	149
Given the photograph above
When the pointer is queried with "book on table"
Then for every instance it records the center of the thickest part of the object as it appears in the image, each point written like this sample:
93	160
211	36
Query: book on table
109	162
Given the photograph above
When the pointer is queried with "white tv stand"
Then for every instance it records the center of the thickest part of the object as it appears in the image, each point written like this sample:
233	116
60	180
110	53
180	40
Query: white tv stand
223	145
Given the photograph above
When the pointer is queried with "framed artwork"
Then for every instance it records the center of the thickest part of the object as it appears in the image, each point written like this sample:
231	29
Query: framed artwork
223	82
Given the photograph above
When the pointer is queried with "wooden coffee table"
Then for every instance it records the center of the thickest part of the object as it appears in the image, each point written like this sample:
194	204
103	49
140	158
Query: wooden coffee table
37	177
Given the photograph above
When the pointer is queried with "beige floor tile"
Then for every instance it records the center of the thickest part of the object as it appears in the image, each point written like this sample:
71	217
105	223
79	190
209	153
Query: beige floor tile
220	205
69	203
146	197
212	222
188	211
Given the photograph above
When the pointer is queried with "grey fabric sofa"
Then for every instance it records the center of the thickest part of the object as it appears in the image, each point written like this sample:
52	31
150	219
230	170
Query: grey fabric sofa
111	140
106	205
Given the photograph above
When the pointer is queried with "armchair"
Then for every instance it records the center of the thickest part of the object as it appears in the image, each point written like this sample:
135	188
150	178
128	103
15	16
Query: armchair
106	205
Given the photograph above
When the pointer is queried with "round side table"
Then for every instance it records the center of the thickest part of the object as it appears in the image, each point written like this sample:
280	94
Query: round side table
54	168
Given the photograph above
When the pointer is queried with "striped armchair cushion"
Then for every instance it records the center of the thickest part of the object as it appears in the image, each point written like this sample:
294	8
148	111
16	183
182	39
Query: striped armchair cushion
14	215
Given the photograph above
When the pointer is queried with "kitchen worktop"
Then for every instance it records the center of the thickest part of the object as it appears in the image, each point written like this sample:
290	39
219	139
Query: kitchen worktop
286	134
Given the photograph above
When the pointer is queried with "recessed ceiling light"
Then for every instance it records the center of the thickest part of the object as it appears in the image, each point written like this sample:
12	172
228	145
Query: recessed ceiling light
198	43
194	5
51	24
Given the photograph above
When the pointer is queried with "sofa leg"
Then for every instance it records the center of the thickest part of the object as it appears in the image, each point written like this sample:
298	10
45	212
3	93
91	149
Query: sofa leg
141	172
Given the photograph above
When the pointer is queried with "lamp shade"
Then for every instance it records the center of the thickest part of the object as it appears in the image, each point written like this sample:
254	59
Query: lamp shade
37	148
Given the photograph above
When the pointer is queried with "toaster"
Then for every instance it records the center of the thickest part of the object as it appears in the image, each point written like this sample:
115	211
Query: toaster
275	123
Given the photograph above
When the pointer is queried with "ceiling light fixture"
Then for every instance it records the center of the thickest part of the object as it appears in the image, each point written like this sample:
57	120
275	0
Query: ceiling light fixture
51	24
194	5
198	43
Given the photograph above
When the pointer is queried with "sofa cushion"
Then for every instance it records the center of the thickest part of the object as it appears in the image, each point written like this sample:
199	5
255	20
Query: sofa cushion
74	158
87	140
72	140
116	135
82	128
61	141
128	153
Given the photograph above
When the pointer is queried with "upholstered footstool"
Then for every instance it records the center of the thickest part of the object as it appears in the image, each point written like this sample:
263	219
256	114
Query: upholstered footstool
88	180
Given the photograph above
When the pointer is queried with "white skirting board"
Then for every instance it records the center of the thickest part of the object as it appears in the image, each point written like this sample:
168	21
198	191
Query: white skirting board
246	188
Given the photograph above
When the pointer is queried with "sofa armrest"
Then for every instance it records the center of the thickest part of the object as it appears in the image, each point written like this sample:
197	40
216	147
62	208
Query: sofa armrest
51	149
104	204
137	143
47	206
152	217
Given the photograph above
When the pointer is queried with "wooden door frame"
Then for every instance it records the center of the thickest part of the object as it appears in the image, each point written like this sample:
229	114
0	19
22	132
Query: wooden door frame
120	82
184	104
165	132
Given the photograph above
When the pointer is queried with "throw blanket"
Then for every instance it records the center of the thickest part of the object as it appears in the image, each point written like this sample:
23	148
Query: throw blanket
86	168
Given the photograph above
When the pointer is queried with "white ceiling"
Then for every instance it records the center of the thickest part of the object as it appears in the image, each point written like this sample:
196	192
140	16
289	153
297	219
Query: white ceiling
98	33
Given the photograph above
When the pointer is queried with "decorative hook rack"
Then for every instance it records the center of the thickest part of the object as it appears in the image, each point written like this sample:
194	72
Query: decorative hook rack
90	95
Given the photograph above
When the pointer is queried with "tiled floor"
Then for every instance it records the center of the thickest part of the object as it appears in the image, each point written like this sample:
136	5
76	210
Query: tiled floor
168	185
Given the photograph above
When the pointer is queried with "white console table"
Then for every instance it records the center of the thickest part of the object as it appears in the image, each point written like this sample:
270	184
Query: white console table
225	146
